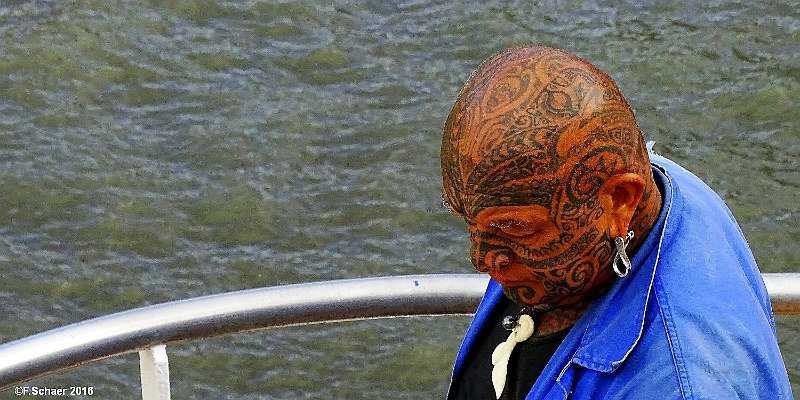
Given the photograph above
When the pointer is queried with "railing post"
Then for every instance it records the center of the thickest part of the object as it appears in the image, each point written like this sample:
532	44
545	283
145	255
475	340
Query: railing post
154	368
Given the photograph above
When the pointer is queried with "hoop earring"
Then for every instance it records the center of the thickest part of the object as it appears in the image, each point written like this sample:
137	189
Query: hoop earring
621	256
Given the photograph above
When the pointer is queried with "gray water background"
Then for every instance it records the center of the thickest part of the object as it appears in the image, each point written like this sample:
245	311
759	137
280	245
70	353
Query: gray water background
157	150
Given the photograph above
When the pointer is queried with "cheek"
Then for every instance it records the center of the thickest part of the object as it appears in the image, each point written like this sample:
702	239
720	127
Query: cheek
543	251
561	243
578	216
581	272
487	257
474	250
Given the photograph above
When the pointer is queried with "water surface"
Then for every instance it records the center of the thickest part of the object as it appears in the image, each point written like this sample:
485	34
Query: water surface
153	151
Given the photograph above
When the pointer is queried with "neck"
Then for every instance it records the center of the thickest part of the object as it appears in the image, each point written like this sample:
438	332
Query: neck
559	319
646	215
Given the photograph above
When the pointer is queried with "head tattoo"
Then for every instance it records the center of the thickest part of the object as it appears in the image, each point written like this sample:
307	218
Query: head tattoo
536	126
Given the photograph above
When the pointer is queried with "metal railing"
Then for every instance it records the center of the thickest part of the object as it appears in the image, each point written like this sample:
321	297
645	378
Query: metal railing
148	329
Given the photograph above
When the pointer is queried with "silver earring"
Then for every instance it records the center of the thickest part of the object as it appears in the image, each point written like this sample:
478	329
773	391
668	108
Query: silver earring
621	256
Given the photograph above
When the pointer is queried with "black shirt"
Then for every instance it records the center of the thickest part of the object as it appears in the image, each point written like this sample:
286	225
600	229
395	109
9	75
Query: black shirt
526	363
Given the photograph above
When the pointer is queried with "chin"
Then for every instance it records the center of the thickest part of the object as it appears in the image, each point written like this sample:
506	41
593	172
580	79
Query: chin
529	297
522	295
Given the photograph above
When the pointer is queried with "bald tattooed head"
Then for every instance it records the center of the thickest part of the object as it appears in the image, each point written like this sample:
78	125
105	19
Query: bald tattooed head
531	139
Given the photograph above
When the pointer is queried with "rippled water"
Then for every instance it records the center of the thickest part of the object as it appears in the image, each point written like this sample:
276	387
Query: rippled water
153	151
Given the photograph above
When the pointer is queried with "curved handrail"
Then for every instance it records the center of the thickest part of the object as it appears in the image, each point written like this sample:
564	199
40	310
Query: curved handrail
207	316
299	304
784	292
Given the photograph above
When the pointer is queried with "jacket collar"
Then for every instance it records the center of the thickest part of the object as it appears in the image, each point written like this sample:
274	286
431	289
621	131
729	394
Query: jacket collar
615	322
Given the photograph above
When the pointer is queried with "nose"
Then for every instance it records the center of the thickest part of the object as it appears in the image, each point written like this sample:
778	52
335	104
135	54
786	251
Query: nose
487	257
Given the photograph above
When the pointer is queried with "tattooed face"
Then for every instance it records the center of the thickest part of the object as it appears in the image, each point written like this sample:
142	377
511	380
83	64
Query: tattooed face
531	140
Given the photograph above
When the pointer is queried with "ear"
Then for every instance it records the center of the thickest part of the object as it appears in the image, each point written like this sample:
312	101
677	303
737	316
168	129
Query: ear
620	196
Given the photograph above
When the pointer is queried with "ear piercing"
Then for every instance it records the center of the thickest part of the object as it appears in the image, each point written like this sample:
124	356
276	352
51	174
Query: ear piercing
621	256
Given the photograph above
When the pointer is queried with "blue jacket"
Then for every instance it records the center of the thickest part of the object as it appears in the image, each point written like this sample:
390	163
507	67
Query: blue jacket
692	320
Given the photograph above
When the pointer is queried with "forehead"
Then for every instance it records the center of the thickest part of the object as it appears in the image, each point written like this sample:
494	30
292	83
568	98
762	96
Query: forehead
510	175
475	199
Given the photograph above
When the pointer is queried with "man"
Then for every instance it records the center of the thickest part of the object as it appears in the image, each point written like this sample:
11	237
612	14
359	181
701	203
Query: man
615	272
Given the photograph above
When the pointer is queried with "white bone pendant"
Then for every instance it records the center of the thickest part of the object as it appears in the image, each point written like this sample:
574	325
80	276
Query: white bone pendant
502	353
